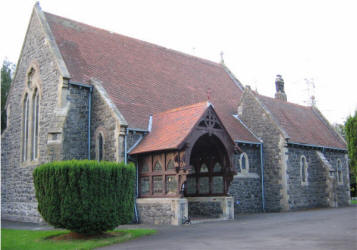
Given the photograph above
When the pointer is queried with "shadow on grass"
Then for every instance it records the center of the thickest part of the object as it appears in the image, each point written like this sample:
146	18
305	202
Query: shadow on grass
63	239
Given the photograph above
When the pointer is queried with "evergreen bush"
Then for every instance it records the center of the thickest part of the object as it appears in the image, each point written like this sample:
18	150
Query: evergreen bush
85	196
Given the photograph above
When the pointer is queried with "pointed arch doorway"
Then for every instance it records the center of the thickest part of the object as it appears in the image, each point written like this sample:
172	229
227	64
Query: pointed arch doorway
210	173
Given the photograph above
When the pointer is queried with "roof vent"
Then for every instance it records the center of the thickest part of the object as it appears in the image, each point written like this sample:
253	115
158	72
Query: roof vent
279	85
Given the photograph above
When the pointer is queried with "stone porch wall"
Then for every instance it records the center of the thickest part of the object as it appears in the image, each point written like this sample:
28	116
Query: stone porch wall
211	207
162	210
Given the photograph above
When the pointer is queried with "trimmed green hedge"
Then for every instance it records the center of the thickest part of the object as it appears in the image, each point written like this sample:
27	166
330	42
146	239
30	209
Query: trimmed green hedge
85	196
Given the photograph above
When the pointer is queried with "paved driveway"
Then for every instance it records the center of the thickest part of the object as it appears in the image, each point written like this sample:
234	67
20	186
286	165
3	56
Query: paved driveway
313	229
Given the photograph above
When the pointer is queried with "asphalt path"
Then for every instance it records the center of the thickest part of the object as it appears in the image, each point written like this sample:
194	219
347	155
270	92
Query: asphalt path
329	228
312	229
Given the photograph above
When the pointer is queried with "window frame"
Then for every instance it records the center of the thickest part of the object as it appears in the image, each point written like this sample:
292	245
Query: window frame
100	149
339	172
304	169
246	170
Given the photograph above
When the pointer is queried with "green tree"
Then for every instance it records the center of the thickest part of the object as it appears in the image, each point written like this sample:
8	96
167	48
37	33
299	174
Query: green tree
351	136
7	71
340	128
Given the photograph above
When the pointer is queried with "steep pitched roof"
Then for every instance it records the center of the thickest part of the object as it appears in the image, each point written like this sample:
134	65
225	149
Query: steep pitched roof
302	124
170	128
144	79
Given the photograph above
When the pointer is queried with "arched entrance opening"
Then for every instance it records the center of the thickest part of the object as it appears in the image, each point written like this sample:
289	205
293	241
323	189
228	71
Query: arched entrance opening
210	174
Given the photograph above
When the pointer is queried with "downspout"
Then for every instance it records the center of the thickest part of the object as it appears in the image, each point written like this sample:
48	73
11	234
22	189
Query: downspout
262	175
137	170
89	118
125	146
90	89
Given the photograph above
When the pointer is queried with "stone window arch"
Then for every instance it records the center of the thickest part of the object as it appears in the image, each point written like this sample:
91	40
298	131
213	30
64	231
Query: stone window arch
25	127
244	163
304	170
35	124
339	172
100	146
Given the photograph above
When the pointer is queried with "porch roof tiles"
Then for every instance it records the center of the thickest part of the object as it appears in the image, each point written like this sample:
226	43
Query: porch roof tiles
170	128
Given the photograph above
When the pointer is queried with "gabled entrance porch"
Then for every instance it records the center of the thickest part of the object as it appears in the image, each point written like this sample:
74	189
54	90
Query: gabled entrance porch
185	167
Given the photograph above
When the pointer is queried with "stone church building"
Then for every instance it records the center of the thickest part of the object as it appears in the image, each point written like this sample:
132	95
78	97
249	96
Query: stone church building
81	92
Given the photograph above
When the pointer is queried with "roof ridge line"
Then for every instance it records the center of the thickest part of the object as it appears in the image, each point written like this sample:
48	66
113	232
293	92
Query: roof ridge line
274	99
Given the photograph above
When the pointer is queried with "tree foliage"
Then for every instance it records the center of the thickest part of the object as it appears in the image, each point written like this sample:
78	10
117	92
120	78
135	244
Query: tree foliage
7	70
351	136
84	196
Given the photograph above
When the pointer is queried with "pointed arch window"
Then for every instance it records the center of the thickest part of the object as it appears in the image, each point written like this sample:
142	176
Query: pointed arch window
244	163
100	144
303	170
339	172
25	126
35	127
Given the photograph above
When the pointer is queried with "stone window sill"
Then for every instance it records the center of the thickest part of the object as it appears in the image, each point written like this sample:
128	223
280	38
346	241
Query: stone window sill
247	175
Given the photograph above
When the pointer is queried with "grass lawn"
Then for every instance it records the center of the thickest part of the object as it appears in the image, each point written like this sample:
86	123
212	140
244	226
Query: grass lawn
27	239
353	201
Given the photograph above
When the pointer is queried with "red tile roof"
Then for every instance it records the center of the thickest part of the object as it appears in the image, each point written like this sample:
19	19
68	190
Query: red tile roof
144	79
170	128
302	123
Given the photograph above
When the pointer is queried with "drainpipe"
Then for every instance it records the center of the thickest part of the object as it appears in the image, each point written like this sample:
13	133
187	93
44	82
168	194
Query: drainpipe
262	175
136	164
90	89
125	146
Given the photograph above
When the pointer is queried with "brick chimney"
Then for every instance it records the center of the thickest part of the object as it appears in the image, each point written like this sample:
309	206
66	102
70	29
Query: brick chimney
279	85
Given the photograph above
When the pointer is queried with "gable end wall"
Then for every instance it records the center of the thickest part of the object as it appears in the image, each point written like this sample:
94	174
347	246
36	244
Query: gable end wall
260	122
17	190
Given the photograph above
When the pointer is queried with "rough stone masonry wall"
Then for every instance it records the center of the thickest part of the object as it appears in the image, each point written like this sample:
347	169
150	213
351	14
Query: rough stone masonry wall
75	131
17	191
256	118
312	195
103	120
343	195
246	188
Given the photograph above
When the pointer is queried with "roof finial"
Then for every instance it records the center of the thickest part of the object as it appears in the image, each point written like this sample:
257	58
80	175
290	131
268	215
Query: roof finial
222	60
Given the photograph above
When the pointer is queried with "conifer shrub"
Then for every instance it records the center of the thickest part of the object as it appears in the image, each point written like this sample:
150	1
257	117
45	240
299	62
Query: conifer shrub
83	196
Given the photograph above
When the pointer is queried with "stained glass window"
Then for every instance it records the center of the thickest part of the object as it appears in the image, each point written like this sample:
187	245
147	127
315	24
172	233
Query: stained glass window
204	185
171	184
204	168
217	167
157	166
25	134
217	185
145	185
191	185
157	184
170	165
35	109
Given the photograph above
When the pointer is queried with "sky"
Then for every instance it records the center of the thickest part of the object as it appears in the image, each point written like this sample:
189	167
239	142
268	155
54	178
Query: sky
312	44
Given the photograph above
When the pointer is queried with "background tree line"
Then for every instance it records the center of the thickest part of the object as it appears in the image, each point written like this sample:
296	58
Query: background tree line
7	71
